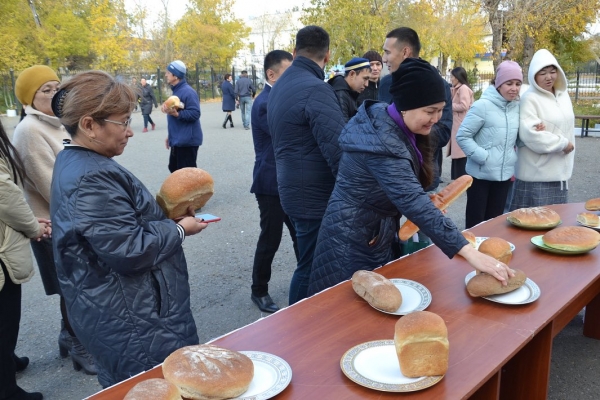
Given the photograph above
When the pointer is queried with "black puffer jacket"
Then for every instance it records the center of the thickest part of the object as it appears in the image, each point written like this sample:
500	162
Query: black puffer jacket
305	122
376	181
147	99
120	265
345	95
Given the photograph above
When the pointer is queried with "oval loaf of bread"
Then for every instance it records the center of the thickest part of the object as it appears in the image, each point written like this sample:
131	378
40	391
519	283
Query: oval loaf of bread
377	290
486	285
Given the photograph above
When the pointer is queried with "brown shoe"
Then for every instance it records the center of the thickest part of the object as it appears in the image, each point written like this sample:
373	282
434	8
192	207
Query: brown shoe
145	130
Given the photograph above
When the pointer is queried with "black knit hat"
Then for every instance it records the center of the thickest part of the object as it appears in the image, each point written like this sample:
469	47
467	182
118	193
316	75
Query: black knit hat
372	55
416	84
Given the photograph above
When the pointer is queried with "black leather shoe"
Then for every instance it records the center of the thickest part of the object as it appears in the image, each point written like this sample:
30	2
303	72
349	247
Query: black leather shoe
264	303
20	394
20	363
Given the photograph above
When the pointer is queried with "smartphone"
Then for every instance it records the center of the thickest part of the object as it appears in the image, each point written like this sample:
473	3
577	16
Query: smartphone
208	218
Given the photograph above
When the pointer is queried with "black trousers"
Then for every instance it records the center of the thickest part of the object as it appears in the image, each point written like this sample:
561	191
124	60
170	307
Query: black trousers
485	200
182	157
272	218
10	317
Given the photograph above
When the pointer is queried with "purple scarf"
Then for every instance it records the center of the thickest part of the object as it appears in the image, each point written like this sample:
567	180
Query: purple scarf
393	112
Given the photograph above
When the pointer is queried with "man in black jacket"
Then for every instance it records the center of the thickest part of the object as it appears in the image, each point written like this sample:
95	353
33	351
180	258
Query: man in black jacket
305	121
347	88
371	92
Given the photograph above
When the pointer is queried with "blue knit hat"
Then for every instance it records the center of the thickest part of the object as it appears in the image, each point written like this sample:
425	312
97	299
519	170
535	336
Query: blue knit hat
177	68
356	63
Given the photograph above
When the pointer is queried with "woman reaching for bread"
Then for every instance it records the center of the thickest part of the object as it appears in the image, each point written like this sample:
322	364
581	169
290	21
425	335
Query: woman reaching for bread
119	259
387	160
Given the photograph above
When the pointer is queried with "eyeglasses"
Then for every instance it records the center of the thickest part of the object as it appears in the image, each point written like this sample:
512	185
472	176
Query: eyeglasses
125	124
49	92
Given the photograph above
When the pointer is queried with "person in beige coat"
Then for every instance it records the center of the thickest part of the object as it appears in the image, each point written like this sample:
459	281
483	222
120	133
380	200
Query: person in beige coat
17	225
462	100
39	138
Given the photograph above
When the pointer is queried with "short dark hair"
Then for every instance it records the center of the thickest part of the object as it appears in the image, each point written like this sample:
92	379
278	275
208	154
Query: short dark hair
312	41
407	36
244	72
226	76
274	58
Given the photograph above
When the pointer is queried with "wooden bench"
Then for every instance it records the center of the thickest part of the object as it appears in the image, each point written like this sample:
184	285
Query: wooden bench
585	123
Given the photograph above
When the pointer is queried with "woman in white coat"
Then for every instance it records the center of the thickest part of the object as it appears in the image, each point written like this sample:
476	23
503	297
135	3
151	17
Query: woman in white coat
545	158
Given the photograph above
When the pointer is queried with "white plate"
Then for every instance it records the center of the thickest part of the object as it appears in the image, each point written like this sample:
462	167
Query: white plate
272	374
527	293
479	239
589	226
415	297
375	365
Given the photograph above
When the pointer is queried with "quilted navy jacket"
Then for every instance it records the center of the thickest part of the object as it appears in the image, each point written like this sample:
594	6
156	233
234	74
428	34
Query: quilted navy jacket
305	121
120	266
376	182
264	175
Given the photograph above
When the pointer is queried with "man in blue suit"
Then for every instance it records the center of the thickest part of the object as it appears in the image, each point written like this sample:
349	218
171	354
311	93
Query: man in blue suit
264	187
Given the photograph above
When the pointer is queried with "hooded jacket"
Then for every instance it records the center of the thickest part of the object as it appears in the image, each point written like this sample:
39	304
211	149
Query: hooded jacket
541	157
376	183
488	135
120	265
17	225
347	98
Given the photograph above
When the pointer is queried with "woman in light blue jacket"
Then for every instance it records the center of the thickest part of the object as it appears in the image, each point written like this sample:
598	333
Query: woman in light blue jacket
487	136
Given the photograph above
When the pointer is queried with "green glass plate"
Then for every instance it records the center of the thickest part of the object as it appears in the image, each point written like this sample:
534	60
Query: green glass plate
538	242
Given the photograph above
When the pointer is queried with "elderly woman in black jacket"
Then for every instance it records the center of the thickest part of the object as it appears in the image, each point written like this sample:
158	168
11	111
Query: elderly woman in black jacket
119	260
386	162
147	99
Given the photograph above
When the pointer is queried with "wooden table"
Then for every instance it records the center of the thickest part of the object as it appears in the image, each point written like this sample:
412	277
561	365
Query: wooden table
496	351
585	123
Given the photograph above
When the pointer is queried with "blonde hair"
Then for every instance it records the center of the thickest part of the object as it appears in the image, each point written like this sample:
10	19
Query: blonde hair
93	94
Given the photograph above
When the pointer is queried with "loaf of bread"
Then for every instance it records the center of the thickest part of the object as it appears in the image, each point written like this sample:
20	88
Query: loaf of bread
154	389
441	200
534	217
593	204
471	238
174	102
588	219
497	248
204	371
184	188
572	238
486	285
377	290
421	340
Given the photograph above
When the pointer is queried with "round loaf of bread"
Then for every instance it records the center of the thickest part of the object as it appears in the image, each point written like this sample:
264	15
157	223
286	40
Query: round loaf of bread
377	290
588	219
471	238
421	340
593	204
155	389
204	371
534	218
497	248
572	238
486	285
184	188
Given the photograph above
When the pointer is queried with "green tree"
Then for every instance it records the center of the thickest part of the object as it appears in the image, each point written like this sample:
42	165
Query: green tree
19	47
111	35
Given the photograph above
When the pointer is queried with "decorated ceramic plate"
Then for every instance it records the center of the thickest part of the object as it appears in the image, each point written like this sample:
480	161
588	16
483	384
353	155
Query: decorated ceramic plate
480	239
539	243
375	365
415	297
527	293
272	374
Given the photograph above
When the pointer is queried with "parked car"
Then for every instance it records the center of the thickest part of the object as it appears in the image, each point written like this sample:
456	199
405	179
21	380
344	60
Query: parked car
151	80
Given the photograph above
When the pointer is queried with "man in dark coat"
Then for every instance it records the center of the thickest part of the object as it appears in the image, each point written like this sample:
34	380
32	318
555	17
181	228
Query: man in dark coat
348	87
264	187
244	93
371	92
305	121
147	99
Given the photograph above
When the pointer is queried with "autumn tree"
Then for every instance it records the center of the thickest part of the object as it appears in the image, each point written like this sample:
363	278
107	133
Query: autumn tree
19	47
354	27
111	35
272	27
208	31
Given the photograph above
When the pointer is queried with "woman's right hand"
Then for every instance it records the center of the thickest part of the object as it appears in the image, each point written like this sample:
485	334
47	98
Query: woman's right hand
45	229
484	263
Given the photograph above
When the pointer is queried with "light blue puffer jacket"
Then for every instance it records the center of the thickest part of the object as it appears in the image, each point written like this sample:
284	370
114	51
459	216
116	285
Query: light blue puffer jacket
488	135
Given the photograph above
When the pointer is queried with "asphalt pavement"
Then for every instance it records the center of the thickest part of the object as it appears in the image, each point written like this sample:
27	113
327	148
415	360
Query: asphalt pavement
220	260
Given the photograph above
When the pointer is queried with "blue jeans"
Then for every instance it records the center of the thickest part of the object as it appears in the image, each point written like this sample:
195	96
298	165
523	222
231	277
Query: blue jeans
307	231
245	108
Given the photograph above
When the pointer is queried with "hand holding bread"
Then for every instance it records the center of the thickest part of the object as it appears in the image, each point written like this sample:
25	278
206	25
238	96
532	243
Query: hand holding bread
377	290
441	200
486	285
184	188
484	263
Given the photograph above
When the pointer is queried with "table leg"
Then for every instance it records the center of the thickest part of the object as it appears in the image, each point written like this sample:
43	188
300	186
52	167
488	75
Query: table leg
582	127
489	391
526	375
591	324
587	127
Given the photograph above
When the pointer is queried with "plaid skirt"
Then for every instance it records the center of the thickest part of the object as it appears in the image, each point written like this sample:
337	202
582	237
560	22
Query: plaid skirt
535	194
